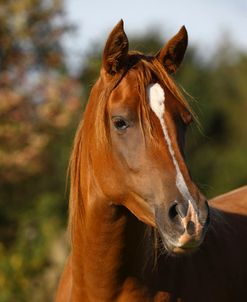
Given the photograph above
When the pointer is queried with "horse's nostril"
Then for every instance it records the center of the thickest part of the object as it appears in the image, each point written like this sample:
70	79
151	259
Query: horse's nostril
208	213
190	228
182	209
173	211
179	209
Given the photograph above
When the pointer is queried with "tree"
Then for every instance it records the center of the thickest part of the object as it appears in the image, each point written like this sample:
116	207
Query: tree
39	109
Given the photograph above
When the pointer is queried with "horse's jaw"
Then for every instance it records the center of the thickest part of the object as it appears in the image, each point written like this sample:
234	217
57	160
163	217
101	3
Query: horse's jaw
141	209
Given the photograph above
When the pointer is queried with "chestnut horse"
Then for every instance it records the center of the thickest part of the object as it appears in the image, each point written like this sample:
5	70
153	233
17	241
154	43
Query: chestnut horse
140	228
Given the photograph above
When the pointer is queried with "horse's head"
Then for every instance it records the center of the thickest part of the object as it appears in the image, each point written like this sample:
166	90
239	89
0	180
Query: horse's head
135	125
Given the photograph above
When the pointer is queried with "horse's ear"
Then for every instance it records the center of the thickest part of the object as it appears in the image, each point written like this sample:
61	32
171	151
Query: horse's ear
116	50
171	55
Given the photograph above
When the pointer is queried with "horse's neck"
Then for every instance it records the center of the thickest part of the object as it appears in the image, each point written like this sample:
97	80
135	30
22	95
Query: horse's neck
106	250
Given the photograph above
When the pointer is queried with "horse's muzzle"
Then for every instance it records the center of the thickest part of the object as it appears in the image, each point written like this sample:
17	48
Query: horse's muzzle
182	226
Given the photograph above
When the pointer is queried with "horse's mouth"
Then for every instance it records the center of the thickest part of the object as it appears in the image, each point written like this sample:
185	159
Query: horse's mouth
176	250
188	248
174	247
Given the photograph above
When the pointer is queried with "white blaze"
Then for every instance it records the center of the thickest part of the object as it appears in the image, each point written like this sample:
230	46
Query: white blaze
156	97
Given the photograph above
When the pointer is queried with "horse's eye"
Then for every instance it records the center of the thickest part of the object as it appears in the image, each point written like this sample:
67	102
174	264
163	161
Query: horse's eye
120	123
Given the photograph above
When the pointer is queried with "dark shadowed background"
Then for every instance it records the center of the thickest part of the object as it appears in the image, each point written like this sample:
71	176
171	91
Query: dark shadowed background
50	53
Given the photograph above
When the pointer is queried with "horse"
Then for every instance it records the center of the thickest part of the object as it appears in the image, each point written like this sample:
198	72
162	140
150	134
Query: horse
140	228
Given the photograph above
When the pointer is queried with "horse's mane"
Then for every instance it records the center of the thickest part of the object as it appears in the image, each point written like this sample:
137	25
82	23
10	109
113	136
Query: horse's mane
89	137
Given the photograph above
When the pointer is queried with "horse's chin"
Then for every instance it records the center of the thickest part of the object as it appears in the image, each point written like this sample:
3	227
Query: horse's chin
174	249
178	251
183	251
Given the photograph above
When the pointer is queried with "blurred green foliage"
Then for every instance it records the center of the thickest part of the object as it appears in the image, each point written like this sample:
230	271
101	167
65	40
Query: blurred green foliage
217	153
40	106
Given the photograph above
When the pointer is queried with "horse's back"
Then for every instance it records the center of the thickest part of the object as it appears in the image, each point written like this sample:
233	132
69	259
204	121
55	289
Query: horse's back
232	202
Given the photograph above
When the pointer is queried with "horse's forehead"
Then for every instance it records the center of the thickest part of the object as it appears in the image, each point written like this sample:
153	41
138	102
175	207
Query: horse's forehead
129	82
127	91
130	76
